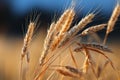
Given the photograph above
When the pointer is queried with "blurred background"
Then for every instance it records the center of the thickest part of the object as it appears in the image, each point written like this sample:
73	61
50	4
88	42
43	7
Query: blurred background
16	14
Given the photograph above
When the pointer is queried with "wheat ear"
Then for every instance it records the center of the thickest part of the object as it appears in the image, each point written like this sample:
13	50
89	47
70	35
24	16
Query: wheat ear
93	29
69	71
26	44
47	43
27	40
75	29
112	21
98	46
61	21
64	28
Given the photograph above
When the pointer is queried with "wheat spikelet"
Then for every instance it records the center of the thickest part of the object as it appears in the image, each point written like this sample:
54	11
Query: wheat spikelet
65	27
75	29
47	43
93	29
27	40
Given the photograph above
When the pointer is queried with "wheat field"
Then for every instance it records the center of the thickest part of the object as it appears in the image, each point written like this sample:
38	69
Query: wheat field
60	53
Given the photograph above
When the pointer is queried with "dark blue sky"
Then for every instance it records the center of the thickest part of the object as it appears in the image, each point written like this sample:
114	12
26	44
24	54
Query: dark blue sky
21	6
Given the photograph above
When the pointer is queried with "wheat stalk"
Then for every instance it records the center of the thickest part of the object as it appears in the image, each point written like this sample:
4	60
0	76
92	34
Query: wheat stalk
87	60
86	65
73	58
